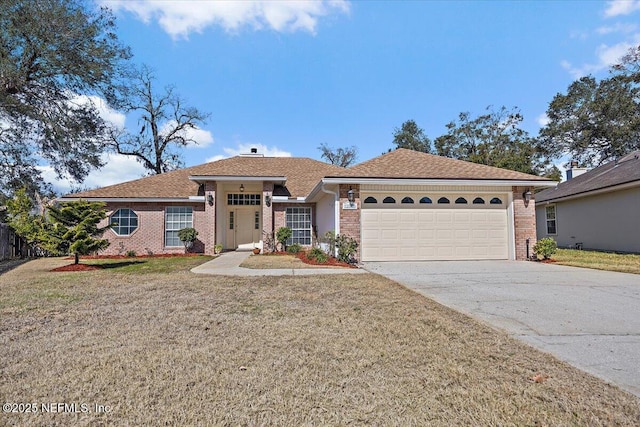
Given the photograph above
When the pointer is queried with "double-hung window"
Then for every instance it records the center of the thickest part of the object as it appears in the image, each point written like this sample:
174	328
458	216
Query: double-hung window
176	218
552	227
299	221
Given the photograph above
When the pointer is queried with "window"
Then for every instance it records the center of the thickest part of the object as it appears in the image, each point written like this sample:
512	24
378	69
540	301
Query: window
299	221
389	199
176	218
461	201
551	219
478	201
126	222
257	220
407	200
425	200
495	201
370	200
443	200
243	199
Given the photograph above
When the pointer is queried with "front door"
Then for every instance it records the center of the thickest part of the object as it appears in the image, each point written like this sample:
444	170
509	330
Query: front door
245	228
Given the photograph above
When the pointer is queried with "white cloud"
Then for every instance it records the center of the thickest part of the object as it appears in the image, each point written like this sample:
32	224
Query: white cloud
180	18
117	169
107	113
617	28
203	138
621	7
606	57
245	148
542	119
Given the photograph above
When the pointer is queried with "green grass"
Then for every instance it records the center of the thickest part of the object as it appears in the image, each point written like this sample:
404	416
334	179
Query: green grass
150	265
625	263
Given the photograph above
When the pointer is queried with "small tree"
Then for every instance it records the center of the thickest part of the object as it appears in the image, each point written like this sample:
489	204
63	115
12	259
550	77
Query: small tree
282	235
340	156
187	236
21	217
73	228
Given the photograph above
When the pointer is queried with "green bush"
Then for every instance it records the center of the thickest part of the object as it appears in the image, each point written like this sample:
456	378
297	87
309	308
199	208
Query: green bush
187	236
545	247
282	235
347	247
294	248
131	253
318	254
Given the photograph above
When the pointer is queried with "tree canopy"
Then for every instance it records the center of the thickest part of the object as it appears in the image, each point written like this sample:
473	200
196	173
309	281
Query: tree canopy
412	137
596	121
54	53
164	125
340	156
494	139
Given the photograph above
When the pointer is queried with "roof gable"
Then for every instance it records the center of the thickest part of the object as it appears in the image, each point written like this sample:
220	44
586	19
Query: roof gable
625	170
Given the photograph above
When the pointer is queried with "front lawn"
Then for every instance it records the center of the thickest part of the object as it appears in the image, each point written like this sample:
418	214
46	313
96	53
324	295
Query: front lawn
626	263
175	348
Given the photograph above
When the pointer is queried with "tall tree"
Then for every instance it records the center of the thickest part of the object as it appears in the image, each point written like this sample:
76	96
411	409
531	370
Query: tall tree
164	125
52	54
494	139
595	121
412	137
344	157
74	228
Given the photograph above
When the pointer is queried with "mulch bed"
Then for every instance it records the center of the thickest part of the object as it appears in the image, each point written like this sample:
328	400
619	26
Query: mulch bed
302	256
77	267
137	256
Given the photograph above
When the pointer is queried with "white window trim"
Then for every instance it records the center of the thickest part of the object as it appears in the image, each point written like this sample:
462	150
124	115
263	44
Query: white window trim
166	209
310	223
546	220
132	232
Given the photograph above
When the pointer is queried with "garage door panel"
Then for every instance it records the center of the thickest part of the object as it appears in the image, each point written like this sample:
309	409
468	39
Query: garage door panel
434	234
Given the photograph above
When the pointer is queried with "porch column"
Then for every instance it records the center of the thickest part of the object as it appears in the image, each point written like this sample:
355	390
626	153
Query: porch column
524	222
350	218
209	232
267	211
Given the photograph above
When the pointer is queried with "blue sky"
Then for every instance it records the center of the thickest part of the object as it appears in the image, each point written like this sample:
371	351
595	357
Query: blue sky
288	76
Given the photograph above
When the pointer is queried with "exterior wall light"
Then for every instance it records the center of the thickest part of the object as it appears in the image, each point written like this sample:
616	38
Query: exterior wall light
527	197
210	199
267	200
350	195
242	188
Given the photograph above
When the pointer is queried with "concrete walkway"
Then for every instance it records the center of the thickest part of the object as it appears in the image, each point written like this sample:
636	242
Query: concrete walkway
589	318
228	264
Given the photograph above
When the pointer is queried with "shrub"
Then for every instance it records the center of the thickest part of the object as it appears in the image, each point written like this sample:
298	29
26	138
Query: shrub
294	248
282	235
545	247
347	247
218	248
187	236
318	254
131	253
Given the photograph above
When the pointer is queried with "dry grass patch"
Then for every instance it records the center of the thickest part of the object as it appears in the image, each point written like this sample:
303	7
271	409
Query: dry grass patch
276	261
184	349
625	263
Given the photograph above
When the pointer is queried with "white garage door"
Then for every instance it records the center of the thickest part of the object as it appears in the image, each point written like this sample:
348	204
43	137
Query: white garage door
434	232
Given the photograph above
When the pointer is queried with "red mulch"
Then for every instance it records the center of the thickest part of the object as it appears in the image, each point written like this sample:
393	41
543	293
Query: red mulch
77	267
135	257
302	256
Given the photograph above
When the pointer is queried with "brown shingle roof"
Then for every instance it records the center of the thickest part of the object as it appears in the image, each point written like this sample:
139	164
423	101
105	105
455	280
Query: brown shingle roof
302	175
404	163
623	171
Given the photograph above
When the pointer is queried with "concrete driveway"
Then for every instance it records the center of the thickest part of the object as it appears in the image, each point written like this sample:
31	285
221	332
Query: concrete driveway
588	318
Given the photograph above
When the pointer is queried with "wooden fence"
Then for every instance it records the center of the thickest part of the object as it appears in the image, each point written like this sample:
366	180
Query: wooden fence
11	245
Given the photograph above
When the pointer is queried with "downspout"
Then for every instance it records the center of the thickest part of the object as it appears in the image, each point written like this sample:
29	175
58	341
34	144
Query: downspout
336	206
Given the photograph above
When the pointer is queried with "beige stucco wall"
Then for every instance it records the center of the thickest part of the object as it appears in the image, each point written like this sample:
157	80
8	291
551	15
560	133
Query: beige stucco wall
608	221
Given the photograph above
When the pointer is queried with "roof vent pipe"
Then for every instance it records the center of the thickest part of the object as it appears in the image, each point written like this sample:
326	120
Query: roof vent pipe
254	150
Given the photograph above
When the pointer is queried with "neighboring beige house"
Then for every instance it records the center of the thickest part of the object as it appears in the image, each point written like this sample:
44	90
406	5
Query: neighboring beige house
598	209
403	205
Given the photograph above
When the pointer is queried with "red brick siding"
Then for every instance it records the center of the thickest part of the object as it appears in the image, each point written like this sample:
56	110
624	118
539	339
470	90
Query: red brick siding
350	218
524	219
208	232
149	237
267	211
